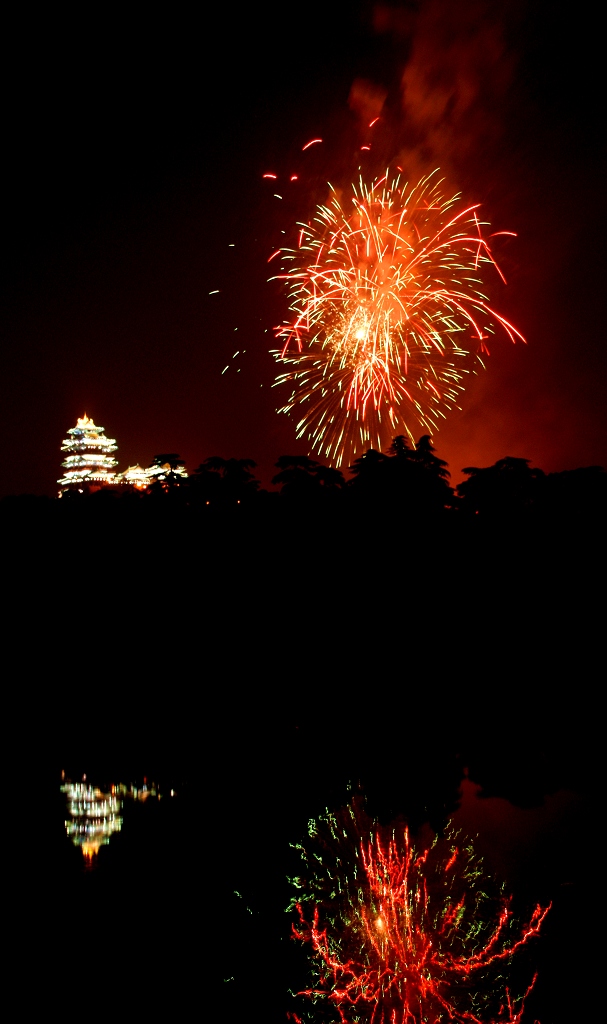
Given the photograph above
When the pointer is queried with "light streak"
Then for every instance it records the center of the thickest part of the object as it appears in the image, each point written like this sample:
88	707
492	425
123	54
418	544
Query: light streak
312	142
388	314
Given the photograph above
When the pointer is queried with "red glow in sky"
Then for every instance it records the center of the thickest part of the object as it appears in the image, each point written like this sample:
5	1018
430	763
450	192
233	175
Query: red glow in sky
141	254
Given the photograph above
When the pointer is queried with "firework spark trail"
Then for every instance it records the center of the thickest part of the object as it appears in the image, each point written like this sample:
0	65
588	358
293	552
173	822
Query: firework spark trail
401	937
388	314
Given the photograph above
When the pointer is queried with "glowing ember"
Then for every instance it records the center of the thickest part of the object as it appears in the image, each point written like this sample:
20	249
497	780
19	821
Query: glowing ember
388	314
399	936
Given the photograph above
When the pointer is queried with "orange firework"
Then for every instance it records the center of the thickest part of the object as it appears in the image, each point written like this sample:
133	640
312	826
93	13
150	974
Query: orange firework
388	314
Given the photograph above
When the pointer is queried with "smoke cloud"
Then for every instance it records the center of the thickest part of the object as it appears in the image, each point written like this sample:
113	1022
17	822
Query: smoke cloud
457	78
366	99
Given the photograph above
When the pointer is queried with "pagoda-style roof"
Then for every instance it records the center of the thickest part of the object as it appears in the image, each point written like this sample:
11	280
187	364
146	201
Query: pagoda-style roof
89	459
86	428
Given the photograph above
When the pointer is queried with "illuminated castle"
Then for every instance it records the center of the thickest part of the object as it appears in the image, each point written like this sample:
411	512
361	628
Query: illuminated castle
89	460
90	463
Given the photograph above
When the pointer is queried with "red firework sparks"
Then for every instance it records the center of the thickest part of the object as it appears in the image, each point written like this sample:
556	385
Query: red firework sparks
389	315
401	937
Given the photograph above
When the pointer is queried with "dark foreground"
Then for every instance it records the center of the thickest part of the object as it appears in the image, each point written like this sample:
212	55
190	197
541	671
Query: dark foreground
268	661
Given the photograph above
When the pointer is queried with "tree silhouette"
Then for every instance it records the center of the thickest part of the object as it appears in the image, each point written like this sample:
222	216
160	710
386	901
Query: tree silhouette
424	456
169	476
330	479
301	478
204	486
369	473
227	482
400	448
508	488
433	493
297	476
172	460
414	479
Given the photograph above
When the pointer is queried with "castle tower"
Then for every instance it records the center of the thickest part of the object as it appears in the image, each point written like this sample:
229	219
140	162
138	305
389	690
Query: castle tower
89	462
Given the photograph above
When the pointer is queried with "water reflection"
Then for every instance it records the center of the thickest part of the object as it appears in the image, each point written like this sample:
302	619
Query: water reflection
93	816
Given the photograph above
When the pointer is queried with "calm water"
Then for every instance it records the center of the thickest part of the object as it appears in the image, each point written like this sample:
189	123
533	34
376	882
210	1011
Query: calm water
142	879
95	813
127	891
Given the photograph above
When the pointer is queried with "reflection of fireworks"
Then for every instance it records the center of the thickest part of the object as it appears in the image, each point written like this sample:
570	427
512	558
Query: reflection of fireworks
388	312
399	937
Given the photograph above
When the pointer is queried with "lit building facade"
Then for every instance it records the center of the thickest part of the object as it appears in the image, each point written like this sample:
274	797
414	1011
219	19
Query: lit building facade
89	461
166	472
90	464
134	476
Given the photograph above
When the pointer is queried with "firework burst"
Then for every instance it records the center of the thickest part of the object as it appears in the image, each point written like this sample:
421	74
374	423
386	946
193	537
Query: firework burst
389	315
400	936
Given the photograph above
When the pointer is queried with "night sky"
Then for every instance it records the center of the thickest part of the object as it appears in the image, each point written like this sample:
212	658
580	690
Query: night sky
134	148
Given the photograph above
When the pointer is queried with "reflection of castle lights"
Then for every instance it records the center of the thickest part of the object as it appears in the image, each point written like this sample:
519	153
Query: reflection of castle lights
93	816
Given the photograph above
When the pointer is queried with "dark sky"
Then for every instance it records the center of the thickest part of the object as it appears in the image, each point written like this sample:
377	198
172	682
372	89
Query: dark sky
134	148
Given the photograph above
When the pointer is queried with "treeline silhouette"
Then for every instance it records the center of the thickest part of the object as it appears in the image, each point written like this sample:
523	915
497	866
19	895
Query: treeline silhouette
409	481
